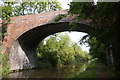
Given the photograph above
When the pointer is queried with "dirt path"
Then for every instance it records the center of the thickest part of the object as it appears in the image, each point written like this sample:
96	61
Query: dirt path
102	73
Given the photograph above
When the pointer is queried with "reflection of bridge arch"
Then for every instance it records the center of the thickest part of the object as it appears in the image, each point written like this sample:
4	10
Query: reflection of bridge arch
26	32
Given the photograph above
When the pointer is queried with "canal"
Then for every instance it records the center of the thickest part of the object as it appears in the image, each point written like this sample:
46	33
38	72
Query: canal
68	71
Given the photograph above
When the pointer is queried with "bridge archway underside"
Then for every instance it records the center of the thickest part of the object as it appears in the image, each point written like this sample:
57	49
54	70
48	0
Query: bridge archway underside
31	38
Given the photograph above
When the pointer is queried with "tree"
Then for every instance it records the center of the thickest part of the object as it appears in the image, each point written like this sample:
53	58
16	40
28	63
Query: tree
97	49
105	21
65	49
59	50
27	8
6	14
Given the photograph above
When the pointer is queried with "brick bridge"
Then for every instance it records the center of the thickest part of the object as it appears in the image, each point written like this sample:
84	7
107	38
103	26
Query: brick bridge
25	33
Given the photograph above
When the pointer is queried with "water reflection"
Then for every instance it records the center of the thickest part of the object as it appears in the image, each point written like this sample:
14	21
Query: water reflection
68	71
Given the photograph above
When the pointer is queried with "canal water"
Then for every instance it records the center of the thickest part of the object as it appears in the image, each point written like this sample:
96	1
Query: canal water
68	71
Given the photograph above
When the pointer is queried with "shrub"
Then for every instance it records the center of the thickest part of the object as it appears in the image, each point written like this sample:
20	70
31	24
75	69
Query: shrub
5	65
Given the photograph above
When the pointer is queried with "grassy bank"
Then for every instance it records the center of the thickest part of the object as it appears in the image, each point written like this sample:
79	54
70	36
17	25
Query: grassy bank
91	71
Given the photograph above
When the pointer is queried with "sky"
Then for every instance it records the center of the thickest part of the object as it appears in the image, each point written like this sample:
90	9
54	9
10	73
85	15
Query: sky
75	36
64	3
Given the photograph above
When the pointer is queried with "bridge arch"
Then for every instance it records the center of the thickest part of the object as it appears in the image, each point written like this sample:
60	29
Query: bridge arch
24	40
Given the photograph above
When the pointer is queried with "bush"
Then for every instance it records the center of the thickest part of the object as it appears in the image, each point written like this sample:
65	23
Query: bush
43	64
5	65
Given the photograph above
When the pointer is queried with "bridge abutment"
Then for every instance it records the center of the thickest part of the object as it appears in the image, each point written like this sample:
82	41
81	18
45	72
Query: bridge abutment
20	58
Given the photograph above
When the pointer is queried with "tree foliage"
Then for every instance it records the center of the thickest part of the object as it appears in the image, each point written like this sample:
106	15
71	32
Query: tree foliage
6	14
97	50
59	50
27	8
105	21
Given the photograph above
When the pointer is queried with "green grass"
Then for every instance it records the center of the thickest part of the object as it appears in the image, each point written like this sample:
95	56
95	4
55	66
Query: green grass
90	72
